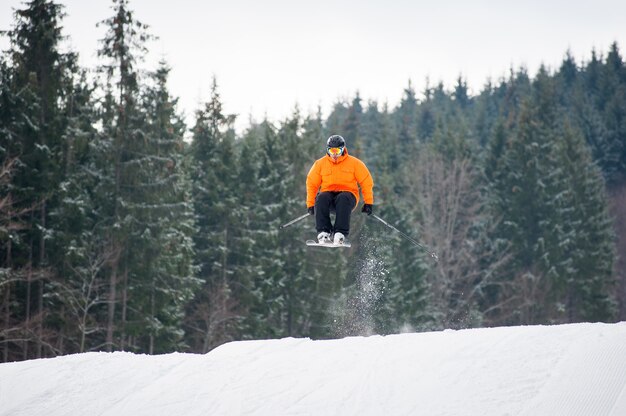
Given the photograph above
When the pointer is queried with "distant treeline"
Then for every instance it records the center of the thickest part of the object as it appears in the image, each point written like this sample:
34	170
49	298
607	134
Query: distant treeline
116	233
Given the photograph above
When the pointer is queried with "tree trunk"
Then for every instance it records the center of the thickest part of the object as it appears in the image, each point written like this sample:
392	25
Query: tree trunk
152	313
7	320
40	291
111	306
29	278
7	295
618	212
123	341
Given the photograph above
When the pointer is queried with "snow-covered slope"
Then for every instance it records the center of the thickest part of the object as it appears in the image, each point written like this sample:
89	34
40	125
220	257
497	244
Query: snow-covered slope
568	370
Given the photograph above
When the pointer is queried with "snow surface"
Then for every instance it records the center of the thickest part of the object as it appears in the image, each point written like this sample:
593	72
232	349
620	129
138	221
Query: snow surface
577	369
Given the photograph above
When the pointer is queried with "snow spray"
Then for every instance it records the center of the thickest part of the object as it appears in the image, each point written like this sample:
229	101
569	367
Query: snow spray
357	308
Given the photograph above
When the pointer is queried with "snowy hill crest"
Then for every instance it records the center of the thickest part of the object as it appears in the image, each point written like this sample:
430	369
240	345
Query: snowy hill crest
577	369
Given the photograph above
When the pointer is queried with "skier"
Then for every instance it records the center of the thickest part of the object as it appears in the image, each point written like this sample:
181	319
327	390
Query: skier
337	177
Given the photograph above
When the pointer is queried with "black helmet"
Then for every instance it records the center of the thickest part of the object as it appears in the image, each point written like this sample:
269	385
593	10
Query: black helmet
335	141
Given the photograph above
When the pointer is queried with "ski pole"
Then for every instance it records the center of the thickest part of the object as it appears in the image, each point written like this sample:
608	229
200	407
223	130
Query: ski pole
294	221
418	244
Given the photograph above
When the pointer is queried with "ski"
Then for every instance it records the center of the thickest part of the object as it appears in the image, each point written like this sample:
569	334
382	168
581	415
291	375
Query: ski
313	243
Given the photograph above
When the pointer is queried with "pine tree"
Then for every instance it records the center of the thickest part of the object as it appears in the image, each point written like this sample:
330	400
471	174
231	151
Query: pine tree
337	118
301	306
247	214
79	290
161	209
213	315
460	94
276	197
13	122
487	117
352	130
426	115
511	96
591	122
520	199
39	73
123	168
407	124
587	251
568	71
538	192
613	96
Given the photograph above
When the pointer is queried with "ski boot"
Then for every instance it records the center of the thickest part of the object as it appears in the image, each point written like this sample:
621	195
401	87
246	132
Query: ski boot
339	238
324	238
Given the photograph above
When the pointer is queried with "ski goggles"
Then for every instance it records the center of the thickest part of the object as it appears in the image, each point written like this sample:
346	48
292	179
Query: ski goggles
335	151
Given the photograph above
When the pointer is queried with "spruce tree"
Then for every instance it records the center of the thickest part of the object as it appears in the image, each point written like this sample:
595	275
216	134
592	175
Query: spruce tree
592	124
39	73
277	202
487	117
246	216
79	290
213	316
538	193
426	115
13	122
520	199
125	171
460	94
407	123
161	209
613	101
337	118
352	130
588	250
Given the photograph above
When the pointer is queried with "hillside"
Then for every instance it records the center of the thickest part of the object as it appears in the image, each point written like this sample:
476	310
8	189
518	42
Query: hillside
577	369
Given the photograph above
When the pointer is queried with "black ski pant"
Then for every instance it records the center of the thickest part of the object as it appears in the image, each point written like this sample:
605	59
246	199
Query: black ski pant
341	203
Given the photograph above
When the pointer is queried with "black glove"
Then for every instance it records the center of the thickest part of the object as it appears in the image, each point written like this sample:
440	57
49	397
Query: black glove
367	208
311	210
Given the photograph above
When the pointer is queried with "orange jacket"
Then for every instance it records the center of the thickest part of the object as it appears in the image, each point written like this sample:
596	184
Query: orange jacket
327	175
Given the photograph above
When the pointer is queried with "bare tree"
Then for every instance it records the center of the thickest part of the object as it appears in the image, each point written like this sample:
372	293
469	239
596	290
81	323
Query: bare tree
210	321
10	224
84	291
455	224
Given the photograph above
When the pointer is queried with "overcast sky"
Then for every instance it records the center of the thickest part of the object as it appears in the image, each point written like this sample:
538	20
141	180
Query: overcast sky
269	55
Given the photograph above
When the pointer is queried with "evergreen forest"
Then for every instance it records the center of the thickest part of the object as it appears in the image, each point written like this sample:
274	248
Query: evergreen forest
124	228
